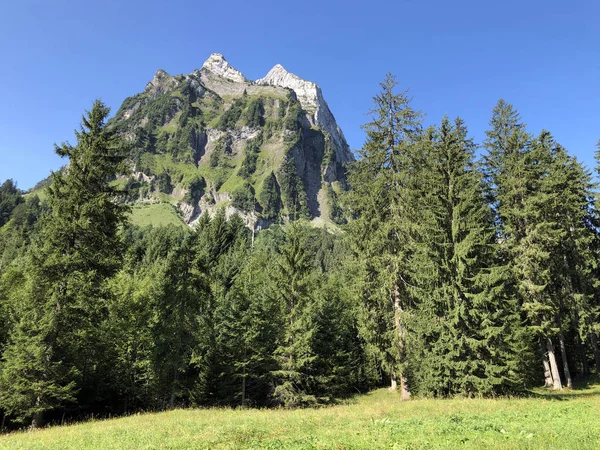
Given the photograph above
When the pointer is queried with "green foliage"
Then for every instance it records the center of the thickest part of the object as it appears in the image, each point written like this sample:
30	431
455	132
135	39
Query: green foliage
250	157
293	193
384	199
10	197
336	212
270	198
46	362
292	117
451	277
164	183
243	198
218	155
464	330
229	118
254	113
195	190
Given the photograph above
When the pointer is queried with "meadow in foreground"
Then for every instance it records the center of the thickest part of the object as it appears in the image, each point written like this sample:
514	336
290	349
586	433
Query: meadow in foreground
566	420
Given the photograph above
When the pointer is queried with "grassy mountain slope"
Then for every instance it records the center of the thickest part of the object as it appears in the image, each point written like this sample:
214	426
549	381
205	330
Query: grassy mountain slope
203	141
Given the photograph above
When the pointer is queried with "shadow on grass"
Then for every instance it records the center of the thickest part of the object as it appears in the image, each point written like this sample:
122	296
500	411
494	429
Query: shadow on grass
582	388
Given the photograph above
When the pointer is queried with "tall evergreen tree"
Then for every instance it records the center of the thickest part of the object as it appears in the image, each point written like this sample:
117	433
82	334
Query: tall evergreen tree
294	378
384	202
464	326
56	351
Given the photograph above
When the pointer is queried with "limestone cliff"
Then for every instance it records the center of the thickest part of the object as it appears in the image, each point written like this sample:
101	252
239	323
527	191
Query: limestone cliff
270	150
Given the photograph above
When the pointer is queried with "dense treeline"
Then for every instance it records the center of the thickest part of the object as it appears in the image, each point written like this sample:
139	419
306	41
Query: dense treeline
454	276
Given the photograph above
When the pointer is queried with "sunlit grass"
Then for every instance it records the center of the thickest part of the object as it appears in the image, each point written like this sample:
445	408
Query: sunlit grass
156	214
570	420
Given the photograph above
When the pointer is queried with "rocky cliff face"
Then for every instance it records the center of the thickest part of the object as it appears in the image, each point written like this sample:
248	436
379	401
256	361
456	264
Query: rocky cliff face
270	150
311	98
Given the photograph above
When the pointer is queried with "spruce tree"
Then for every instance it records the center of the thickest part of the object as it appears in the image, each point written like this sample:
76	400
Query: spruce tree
294	379
57	349
384	202
464	325
10	197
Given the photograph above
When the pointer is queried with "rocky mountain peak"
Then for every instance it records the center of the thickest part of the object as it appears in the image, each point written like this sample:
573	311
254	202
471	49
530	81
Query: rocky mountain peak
161	82
308	93
311	99
217	64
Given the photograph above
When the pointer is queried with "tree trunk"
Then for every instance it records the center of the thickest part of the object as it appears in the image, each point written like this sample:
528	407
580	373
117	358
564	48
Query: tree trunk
556	383
583	356
393	383
547	373
405	392
36	420
244	379
594	341
563	354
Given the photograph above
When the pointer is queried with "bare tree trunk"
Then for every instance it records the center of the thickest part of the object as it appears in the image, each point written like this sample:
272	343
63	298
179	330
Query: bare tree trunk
556	383
171	403
36	420
594	341
393	383
547	373
405	392
563	354
244	379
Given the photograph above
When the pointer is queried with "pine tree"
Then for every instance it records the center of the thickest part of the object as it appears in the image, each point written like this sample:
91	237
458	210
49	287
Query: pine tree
569	194
57	349
183	299
250	324
294	378
270	198
464	326
10	197
383	200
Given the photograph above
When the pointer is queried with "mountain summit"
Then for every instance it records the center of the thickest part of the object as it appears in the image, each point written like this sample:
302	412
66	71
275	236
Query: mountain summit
311	98
218	65
269	150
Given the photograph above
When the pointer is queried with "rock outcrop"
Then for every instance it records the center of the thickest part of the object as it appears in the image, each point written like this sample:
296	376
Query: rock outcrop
218	65
311	98
269	149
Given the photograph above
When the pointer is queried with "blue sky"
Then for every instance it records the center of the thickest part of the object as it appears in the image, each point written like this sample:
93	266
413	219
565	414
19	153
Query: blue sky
457	58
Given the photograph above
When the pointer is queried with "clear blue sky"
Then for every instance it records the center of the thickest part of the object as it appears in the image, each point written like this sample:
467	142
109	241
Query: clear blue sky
457	57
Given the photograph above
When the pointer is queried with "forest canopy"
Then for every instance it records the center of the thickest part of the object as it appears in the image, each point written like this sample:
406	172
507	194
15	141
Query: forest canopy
455	275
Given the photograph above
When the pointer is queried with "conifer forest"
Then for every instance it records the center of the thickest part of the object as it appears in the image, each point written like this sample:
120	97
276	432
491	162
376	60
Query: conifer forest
452	268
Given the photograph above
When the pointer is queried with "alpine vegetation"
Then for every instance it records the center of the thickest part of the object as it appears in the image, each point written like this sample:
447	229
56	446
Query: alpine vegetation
216	242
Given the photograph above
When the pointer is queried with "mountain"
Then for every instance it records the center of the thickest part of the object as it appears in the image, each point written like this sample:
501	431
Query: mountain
268	149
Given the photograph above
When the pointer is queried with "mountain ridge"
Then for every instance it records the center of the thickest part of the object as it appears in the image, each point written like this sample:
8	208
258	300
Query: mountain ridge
269	150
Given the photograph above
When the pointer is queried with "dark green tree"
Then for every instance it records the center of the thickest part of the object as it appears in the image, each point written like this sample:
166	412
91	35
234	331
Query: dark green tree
57	349
295	378
383	200
10	197
464	326
270	198
254	113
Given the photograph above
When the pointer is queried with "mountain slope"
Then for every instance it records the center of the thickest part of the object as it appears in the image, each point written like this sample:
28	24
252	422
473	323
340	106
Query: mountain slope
270	150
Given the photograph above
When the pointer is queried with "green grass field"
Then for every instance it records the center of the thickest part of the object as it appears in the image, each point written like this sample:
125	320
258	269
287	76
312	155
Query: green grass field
569	420
156	214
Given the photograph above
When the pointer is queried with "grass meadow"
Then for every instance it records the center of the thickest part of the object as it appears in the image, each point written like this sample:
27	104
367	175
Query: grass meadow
566	420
